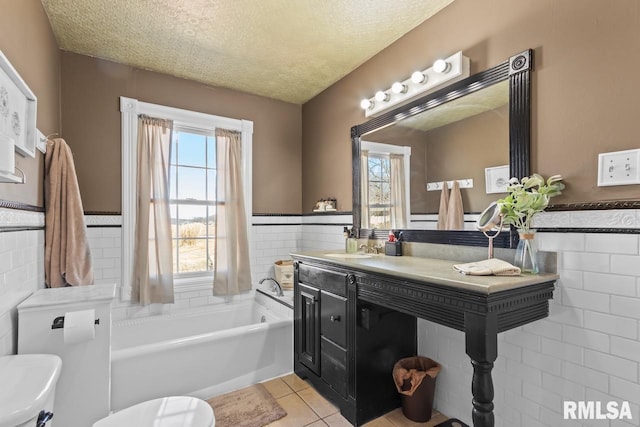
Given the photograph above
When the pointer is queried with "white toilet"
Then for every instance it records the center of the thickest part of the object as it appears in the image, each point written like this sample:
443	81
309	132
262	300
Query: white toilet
28	385
175	411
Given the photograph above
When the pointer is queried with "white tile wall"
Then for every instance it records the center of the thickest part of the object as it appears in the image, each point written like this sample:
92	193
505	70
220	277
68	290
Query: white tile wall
21	273
273	239
587	349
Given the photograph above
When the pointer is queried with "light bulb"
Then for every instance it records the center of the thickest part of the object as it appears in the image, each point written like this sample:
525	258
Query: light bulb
418	77
382	96
398	87
441	66
366	104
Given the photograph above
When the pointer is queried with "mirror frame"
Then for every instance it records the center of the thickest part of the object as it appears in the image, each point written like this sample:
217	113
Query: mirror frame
518	71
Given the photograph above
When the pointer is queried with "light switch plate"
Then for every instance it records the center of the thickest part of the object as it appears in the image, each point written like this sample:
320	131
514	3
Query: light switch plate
619	168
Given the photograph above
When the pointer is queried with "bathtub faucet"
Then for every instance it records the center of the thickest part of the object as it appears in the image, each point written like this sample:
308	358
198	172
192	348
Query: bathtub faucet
276	286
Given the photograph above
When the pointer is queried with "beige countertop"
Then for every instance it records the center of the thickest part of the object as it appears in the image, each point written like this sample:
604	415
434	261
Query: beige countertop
429	270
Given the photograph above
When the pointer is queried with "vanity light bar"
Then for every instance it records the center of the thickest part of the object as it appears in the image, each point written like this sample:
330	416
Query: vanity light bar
453	68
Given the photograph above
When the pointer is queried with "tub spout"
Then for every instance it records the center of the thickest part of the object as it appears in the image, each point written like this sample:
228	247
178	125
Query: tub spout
276	286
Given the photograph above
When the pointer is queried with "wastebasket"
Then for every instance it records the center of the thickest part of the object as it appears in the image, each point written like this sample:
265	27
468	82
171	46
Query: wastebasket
415	379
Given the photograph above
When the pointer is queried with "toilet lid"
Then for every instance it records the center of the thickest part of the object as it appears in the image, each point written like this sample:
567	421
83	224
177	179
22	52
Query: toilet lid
175	411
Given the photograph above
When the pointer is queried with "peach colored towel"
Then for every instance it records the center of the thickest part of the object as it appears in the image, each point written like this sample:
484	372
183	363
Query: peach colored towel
444	207
455	214
67	259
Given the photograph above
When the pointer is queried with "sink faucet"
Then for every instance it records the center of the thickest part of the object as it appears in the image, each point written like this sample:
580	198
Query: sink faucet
374	249
276	286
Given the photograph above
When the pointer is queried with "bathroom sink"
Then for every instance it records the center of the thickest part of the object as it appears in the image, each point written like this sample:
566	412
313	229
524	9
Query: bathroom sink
28	382
345	255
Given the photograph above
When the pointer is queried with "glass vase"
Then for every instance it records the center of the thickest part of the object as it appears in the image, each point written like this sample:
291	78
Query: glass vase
527	252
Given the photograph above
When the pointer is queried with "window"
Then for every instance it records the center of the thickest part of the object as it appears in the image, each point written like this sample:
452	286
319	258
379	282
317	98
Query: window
192	186
192	192
379	202
385	181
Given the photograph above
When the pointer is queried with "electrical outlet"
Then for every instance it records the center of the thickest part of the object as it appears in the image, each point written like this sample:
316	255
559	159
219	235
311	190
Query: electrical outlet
619	168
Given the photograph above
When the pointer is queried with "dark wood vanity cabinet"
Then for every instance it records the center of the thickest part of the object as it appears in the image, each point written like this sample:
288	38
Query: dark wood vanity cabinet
308	343
345	349
353	319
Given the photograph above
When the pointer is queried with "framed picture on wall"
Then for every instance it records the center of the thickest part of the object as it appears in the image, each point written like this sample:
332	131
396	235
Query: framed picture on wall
17	109
496	179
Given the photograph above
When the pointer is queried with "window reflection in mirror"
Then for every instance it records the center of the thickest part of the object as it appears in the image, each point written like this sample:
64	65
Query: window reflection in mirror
385	185
457	140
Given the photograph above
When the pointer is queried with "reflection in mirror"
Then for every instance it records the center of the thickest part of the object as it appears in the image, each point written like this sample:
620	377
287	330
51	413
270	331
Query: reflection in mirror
385	185
455	141
475	132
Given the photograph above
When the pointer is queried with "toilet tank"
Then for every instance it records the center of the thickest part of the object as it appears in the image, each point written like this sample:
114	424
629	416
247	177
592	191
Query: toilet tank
83	390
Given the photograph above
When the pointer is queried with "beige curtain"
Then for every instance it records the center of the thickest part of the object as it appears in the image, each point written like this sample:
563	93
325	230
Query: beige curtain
153	258
364	188
67	258
398	193
232	272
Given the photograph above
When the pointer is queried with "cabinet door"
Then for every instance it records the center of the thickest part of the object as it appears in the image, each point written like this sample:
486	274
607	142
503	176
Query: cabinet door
309	330
334	366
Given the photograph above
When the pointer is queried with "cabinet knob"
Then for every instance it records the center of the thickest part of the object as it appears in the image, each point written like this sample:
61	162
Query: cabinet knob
334	318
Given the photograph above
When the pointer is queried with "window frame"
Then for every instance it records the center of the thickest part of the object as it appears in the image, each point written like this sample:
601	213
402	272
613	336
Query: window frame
380	149
179	128
130	109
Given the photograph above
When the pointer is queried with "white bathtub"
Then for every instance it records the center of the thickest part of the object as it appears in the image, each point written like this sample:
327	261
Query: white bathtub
201	353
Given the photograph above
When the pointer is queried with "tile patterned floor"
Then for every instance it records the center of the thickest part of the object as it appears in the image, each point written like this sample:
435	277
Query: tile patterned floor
307	408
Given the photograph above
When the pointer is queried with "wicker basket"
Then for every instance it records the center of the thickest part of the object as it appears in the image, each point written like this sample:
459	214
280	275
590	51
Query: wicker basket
284	273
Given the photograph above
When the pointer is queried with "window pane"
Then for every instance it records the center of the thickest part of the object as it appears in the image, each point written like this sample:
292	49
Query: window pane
380	218
173	188
211	184
192	253
192	238
173	150
176	257
375	192
385	196
374	169
191	149
211	221
173	212
385	169
211	254
191	183
211	152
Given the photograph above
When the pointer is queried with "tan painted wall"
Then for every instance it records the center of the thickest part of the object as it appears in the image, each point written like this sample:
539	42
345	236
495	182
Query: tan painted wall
91	119
462	150
459	150
584	95
27	41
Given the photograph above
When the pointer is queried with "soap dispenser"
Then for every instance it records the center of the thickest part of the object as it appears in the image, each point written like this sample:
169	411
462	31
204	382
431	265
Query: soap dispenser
351	244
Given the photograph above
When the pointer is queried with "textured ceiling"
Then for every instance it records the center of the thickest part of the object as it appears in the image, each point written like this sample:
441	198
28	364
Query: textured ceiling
284	49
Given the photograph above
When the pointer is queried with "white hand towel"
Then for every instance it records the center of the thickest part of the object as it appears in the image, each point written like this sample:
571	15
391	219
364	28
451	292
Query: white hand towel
488	267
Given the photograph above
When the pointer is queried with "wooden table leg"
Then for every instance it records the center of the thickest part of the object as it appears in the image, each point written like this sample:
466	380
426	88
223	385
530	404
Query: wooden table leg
481	340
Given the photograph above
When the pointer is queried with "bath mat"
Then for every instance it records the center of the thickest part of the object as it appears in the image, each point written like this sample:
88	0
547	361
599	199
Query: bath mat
252	406
452	422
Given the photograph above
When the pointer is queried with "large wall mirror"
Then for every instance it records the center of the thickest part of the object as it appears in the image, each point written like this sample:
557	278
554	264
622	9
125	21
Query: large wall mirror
472	131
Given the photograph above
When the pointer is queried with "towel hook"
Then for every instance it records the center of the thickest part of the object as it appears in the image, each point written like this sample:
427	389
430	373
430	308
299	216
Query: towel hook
23	179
